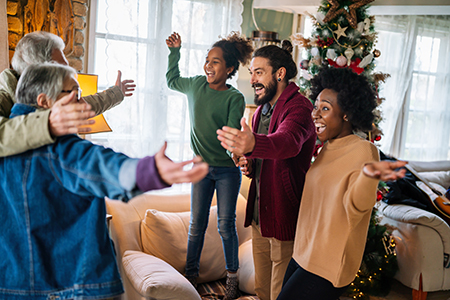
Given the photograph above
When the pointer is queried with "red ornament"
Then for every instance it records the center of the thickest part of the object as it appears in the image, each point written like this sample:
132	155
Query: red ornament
379	195
353	65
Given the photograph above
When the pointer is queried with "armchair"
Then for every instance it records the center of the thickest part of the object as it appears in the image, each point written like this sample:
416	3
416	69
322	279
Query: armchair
422	238
145	231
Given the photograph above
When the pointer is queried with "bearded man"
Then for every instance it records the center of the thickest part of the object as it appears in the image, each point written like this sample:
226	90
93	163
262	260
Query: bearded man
276	153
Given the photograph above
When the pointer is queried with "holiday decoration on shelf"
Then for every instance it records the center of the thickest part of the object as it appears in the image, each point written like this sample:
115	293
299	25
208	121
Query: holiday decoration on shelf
379	263
344	37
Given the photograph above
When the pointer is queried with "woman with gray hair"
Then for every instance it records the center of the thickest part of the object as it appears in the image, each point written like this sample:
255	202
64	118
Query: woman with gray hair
54	239
43	127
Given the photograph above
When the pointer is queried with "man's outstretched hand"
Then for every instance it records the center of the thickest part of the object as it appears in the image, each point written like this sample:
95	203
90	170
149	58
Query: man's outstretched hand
238	142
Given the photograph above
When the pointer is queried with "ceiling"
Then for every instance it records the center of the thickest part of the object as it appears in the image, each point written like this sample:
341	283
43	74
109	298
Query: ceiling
378	7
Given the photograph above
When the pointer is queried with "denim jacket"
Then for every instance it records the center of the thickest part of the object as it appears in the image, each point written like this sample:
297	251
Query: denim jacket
54	242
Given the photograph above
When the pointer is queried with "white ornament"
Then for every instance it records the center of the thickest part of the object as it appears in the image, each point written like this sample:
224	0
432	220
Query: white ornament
360	27
366	60
319	17
314	51
349	54
331	54
341	61
366	25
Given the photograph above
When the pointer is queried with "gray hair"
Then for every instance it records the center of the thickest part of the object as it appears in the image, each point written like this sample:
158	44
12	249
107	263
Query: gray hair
34	48
46	78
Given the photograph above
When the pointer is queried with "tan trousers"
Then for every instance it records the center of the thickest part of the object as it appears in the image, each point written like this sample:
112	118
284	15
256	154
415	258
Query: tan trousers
271	258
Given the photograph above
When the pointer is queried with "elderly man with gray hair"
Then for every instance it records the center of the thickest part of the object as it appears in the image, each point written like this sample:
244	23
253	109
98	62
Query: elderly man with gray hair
54	237
41	128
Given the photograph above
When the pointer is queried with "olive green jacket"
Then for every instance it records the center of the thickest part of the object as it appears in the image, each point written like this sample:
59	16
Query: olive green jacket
31	131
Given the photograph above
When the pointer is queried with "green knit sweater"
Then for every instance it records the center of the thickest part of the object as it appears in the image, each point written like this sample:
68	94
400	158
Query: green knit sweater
209	110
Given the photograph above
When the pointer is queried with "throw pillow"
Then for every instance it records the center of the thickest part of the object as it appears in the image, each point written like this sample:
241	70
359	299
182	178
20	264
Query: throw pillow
165	235
153	278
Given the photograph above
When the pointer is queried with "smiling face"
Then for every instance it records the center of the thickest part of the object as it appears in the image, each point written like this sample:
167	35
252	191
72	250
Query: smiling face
216	69
263	80
329	118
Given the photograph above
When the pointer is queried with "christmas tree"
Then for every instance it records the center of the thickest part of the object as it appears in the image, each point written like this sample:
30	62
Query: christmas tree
343	36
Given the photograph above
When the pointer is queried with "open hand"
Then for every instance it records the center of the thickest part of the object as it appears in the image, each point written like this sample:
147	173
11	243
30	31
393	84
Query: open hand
385	170
127	86
172	172
238	142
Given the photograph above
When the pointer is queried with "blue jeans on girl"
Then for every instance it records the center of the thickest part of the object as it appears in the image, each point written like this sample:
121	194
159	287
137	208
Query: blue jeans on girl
227	182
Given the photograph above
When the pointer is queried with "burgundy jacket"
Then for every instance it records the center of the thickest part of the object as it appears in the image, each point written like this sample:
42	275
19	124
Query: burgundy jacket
286	152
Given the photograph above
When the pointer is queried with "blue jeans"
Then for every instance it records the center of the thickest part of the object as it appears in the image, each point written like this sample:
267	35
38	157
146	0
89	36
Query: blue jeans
307	286
227	182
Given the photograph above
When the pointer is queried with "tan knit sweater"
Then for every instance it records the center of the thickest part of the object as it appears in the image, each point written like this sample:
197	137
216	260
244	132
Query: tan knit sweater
335	210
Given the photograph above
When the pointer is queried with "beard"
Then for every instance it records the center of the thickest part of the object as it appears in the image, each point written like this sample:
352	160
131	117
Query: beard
269	92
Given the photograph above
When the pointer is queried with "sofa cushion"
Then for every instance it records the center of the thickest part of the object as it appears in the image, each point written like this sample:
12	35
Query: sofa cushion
165	235
154	278
246	268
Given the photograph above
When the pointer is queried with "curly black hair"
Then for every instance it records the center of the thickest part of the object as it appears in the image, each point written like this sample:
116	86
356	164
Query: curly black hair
236	49
356	97
279	57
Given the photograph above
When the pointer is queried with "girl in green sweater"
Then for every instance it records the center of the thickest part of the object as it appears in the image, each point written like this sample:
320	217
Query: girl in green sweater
212	105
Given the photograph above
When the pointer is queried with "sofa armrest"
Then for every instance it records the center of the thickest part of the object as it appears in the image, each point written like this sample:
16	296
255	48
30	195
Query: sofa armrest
413	215
155	279
420	252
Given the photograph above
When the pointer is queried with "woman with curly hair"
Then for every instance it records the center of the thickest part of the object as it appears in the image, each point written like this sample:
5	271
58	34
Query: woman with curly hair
340	189
212	105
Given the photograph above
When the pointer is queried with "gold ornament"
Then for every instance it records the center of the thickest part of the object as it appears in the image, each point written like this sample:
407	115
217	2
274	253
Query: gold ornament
340	31
349	12
376	53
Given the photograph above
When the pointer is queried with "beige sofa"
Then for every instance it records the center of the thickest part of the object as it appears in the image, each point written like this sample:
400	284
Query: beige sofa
422	238
150	238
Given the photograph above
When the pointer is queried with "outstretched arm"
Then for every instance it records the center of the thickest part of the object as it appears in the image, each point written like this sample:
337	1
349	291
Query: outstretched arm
40	128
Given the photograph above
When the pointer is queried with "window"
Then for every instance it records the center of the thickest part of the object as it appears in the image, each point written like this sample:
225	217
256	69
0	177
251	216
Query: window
416	112
129	35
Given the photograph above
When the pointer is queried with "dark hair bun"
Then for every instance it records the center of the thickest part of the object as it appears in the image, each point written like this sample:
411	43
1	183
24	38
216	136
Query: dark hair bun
287	45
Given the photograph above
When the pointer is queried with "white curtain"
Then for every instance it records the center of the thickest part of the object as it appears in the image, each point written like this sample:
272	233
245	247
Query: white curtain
130	35
416	113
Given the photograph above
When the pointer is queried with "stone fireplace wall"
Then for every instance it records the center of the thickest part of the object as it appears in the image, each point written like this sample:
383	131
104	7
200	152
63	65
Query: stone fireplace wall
65	18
